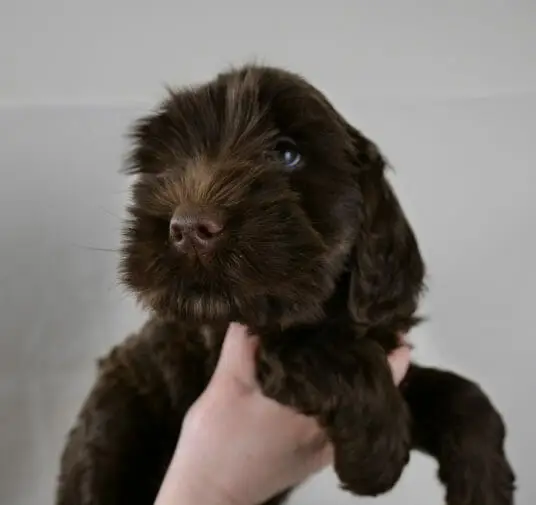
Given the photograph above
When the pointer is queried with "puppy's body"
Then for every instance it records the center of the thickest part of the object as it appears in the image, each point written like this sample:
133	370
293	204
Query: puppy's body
256	201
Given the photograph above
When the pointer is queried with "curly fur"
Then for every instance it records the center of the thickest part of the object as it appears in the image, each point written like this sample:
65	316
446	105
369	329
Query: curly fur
319	261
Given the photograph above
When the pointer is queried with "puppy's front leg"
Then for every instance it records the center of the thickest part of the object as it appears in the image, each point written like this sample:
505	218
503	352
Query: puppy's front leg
353	396
127	428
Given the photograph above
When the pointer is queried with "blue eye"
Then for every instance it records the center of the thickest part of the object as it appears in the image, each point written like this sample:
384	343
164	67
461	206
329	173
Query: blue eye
288	153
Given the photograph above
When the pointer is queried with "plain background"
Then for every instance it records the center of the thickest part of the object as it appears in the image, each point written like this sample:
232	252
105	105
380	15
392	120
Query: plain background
448	90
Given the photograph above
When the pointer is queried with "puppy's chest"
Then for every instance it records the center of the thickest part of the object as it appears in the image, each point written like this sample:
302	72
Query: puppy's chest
292	366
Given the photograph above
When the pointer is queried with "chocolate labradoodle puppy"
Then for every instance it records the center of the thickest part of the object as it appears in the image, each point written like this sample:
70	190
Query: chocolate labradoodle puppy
254	200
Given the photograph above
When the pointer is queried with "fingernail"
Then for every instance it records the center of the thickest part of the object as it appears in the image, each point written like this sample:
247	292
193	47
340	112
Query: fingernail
236	328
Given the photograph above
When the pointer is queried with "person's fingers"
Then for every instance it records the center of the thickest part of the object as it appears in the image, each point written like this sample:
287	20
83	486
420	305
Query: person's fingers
319	456
326	456
402	341
399	361
237	358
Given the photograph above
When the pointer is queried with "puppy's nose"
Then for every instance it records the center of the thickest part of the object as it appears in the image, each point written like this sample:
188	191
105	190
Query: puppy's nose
195	228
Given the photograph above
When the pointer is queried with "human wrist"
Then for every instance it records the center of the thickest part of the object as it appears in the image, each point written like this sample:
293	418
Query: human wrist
187	493
184	485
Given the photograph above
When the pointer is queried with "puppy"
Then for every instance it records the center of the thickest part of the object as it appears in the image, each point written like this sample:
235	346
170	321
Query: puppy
255	201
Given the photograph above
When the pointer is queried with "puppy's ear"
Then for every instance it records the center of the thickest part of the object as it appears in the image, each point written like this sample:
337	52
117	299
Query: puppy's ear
387	270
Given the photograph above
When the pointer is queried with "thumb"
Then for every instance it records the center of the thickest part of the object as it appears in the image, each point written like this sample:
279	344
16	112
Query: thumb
237	358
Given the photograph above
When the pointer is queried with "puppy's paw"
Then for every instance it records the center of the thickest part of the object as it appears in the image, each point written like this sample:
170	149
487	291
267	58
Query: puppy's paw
486	479
472	460
371	454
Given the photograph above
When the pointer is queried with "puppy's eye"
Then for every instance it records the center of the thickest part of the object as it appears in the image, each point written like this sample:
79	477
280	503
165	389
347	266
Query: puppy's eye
288	154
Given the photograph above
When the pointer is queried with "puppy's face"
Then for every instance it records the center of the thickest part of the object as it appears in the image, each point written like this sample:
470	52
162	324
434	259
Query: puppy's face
246	201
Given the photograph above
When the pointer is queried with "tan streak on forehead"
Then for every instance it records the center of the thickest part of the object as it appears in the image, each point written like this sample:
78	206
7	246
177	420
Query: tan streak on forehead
242	109
192	186
197	181
239	86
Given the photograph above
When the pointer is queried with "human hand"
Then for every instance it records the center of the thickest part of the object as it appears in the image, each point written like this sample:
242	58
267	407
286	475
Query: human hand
238	447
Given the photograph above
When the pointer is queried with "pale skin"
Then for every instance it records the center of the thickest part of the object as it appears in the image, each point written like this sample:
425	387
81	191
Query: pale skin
238	447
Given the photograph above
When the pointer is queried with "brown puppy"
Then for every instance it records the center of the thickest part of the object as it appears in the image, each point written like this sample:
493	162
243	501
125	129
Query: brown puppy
255	201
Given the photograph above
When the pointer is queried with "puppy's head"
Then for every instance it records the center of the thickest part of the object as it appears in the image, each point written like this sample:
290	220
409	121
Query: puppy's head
252	196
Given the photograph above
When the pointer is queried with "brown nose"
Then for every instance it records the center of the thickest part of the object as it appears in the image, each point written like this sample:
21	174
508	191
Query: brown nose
195	228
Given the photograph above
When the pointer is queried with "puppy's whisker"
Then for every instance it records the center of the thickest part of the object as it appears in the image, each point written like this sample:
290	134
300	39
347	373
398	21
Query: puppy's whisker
120	219
100	249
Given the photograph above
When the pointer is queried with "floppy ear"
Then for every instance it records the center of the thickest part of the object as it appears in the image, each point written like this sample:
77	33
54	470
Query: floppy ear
387	270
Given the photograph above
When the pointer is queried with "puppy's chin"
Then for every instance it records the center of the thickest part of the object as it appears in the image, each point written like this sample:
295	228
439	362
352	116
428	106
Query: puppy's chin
255	305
